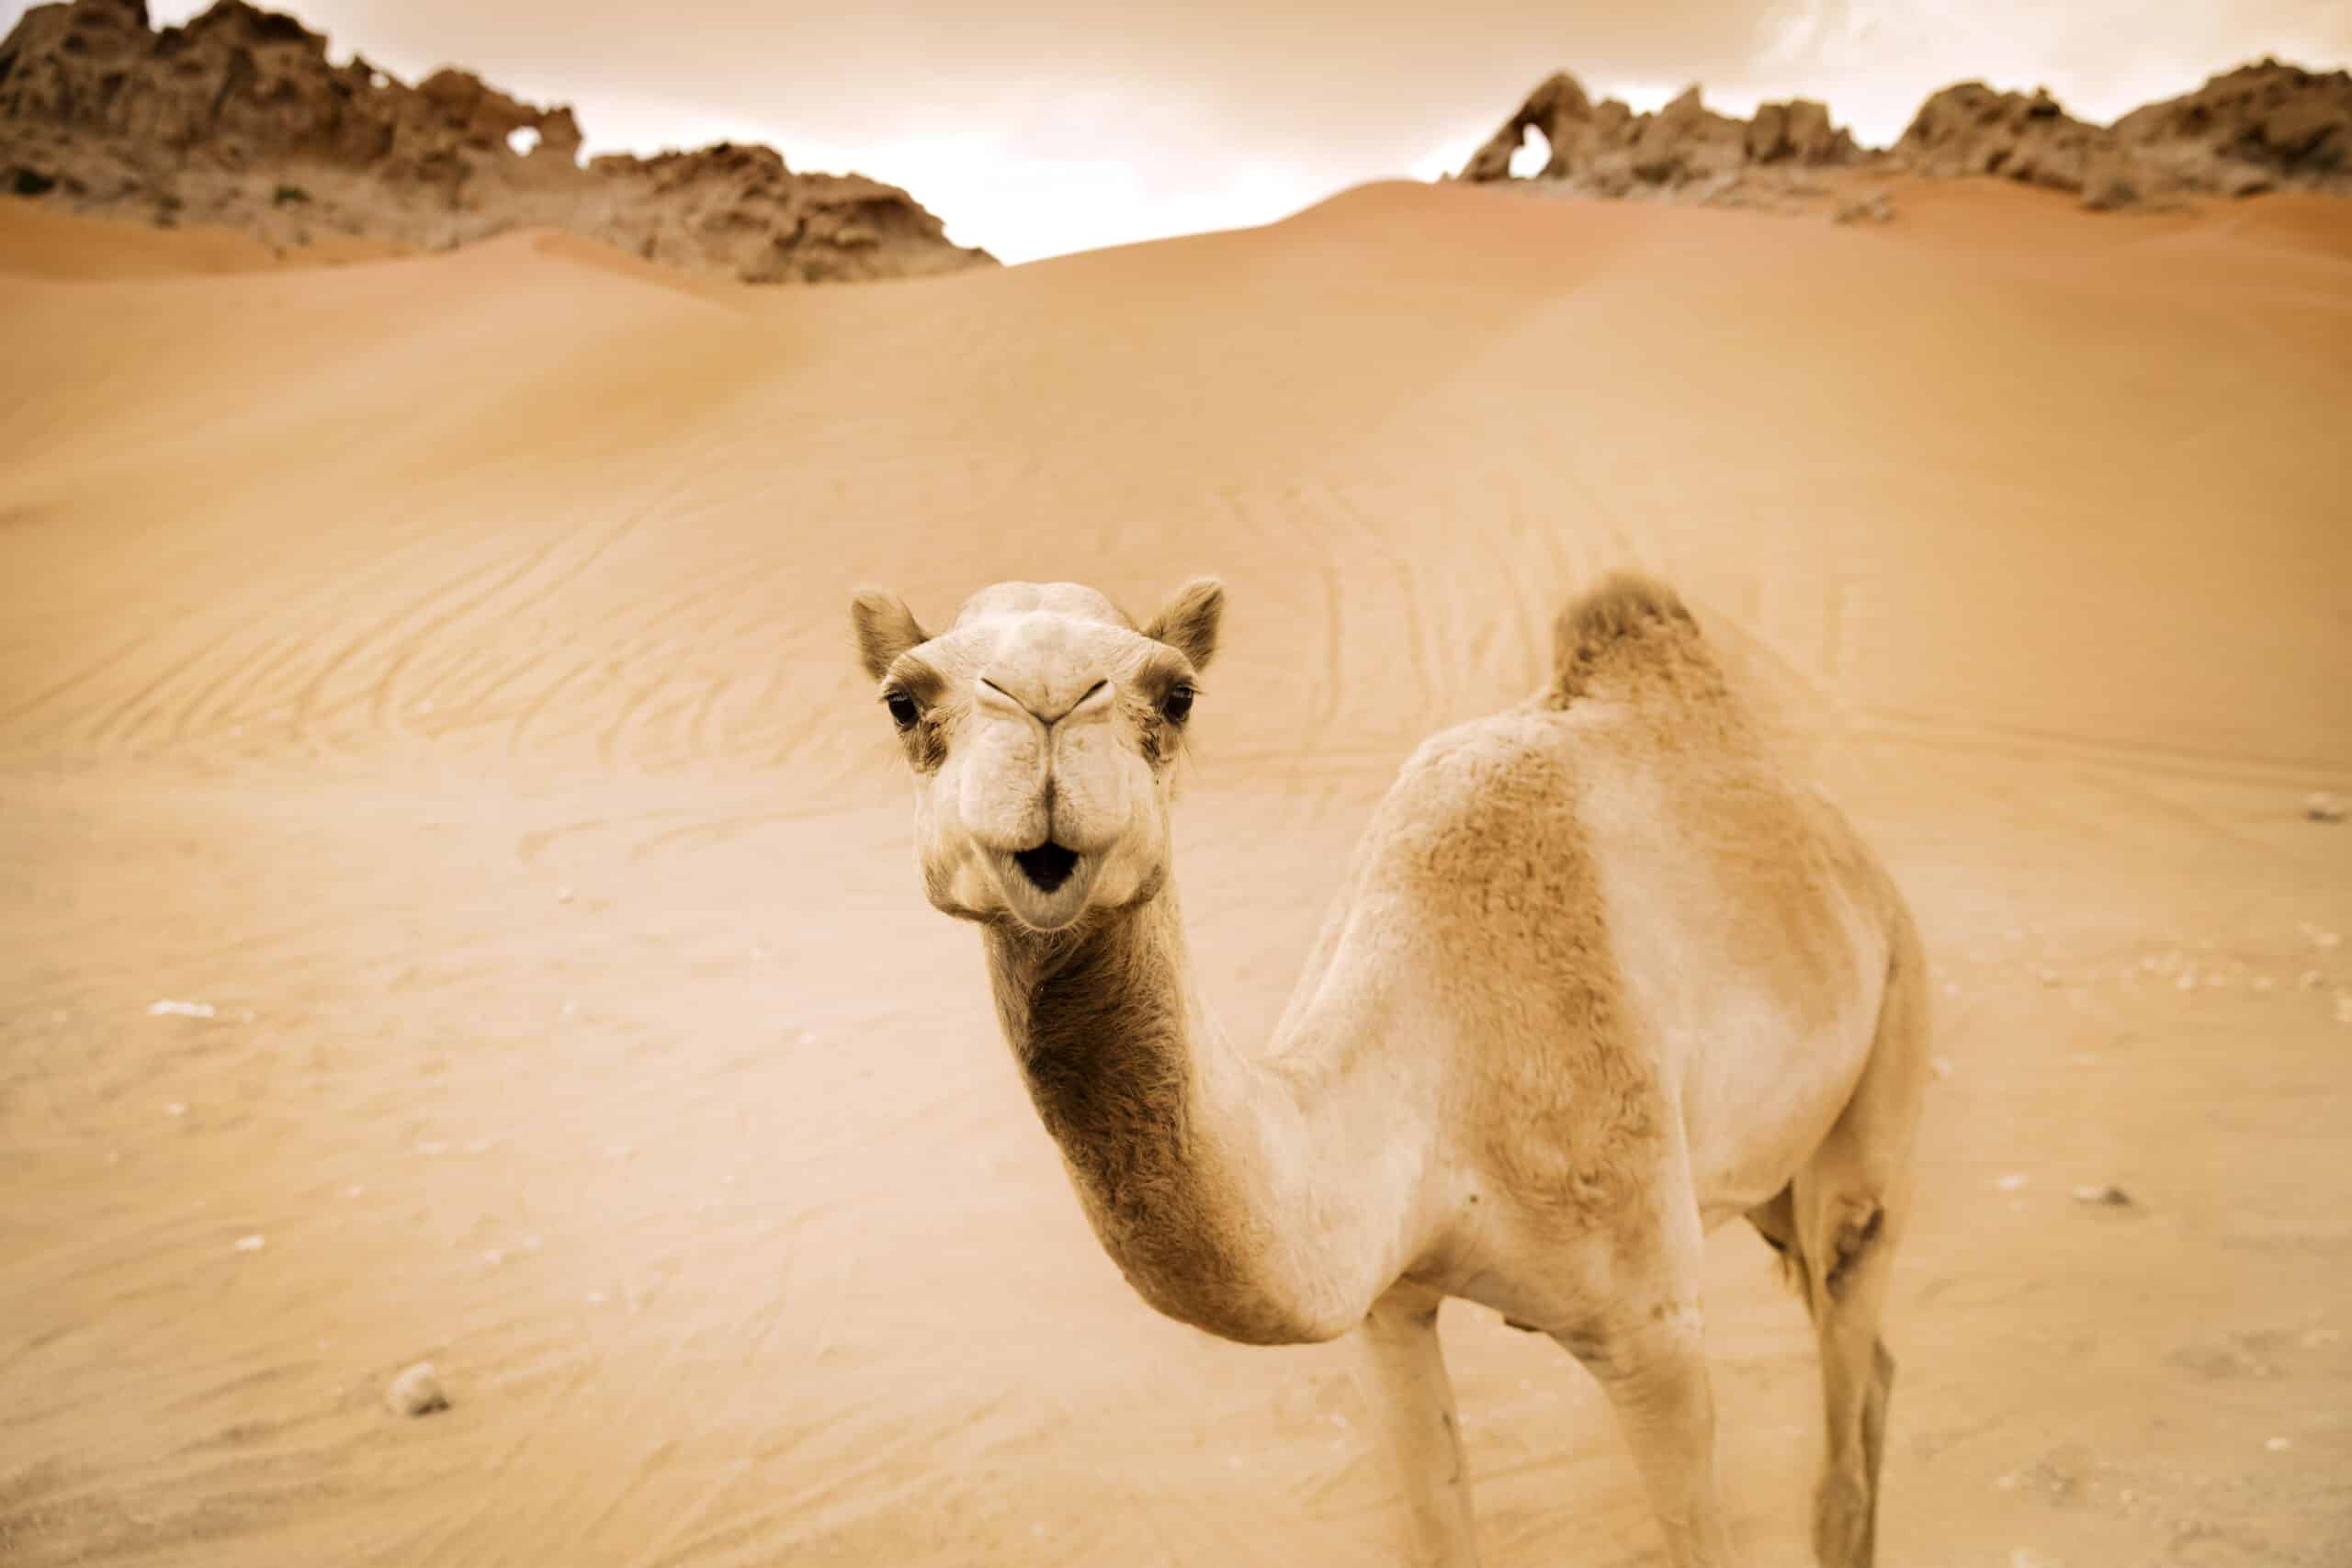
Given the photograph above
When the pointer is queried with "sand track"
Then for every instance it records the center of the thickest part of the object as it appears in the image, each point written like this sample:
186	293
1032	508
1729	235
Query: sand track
439	666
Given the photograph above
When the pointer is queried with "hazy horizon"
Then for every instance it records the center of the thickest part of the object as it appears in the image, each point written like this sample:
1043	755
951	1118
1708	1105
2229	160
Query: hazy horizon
1058	128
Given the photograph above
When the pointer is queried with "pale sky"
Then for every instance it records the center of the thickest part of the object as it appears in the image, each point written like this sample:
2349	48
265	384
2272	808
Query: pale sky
1038	127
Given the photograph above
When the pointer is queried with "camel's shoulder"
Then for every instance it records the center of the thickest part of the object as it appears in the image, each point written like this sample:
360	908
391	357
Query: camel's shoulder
1485	802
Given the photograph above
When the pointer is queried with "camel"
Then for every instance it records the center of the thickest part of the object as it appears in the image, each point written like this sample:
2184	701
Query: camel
1598	979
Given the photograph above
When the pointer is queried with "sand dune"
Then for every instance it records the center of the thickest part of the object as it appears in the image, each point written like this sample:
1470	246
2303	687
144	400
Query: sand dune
439	666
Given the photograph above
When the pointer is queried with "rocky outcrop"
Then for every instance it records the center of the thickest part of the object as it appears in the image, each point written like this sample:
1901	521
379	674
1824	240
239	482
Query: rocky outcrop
2258	127
1969	128
1606	149
2261	127
239	118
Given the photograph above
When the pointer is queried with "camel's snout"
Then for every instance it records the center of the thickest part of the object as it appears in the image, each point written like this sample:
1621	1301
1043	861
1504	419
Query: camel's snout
1040	749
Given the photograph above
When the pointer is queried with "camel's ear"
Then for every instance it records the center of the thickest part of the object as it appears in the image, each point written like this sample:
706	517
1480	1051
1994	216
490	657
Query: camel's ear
885	628
1189	622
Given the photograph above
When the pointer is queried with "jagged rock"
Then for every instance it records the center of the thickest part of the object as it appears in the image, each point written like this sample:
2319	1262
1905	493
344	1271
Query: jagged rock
1557	107
1811	138
1686	148
1971	130
1873	208
1685	141
238	118
2262	126
2254	128
2109	184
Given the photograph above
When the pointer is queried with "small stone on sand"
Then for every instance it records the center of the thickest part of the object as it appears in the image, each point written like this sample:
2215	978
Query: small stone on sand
416	1391
2013	1183
1939	1065
2322	807
179	1010
2279	1445
250	1244
2109	1196
175	1109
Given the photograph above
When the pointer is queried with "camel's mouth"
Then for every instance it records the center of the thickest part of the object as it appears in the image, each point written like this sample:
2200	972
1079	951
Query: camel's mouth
1047	866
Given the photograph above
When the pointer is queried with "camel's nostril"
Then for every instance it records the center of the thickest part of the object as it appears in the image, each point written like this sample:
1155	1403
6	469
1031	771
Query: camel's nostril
1049	865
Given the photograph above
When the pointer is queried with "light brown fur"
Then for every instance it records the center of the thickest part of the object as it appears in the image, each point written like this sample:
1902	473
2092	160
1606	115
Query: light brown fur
1600	978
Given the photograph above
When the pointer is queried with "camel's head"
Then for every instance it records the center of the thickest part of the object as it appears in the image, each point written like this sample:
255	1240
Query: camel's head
1041	729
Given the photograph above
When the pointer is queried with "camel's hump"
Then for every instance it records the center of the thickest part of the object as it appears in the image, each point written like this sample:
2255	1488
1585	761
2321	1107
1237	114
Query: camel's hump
1621	612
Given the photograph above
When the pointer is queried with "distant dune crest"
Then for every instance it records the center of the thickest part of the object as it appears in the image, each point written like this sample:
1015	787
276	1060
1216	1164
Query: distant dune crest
238	118
2262	126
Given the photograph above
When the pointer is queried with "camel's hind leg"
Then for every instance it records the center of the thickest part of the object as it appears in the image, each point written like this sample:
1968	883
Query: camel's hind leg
1401	1371
1837	1223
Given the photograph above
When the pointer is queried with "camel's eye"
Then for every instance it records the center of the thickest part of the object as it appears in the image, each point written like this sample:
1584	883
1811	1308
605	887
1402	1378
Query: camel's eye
1177	705
903	712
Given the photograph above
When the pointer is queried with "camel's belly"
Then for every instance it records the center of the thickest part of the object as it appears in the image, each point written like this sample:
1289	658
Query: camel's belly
1749	1139
1764	1079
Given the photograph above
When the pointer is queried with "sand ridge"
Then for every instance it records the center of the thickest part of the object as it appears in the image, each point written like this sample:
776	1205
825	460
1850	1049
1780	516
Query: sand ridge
438	666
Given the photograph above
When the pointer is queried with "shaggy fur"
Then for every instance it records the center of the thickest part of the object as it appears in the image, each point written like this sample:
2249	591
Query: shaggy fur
1623	619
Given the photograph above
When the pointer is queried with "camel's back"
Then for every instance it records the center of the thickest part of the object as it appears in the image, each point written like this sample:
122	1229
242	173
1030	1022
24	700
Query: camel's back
1624	906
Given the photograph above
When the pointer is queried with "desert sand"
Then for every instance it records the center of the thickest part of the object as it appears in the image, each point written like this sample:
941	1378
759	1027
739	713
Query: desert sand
438	669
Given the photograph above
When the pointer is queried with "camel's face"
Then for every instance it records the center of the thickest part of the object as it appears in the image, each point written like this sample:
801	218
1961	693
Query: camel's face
1040	729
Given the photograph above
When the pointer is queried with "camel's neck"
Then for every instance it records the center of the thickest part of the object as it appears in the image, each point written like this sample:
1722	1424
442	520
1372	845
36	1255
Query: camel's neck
1265	1201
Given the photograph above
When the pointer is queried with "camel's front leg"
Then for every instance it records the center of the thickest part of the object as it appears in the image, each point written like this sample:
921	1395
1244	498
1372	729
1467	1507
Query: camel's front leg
1653	1364
1402	1374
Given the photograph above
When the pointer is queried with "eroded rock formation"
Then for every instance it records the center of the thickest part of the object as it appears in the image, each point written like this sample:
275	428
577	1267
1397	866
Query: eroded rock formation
1969	128
239	118
2258	127
2255	129
1606	149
